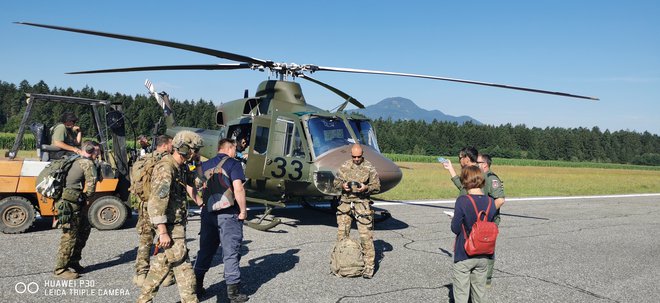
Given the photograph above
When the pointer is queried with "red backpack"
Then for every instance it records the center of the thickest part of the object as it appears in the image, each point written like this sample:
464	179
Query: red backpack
481	240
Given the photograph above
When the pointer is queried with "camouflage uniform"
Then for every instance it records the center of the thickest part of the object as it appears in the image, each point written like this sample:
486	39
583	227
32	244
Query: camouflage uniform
167	205
145	231
358	205
76	232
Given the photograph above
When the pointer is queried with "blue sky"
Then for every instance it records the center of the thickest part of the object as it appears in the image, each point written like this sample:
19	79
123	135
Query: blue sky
606	49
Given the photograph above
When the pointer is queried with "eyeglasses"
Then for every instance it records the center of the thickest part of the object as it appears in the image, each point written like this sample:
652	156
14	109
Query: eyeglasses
480	162
356	157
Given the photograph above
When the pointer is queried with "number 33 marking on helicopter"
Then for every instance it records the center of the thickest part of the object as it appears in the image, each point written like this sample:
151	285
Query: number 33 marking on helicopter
282	167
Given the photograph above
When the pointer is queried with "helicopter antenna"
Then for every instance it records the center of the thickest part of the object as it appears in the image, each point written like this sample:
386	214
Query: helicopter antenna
163	100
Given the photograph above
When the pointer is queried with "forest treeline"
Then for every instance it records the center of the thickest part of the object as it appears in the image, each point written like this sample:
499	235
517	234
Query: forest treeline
401	137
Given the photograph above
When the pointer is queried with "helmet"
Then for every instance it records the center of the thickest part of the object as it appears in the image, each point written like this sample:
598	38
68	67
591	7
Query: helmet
186	140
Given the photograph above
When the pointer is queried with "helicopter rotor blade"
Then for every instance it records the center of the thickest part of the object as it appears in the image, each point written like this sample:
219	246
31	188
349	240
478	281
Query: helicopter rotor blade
188	47
227	66
366	71
334	90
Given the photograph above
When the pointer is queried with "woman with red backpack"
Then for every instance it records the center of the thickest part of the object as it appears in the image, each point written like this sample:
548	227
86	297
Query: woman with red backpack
475	238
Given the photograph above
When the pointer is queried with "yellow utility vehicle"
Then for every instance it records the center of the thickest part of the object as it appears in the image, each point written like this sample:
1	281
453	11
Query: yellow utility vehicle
20	203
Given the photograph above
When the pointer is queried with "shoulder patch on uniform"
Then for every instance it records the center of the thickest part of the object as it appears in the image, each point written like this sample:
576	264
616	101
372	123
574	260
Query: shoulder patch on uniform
495	183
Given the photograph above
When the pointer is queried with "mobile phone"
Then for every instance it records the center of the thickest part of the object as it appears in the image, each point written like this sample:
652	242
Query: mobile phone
442	160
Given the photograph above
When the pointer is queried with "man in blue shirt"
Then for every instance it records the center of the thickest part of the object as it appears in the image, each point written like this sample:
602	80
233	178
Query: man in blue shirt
223	211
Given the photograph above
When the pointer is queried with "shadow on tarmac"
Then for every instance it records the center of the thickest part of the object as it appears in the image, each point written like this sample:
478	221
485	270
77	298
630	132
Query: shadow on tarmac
259	271
326	217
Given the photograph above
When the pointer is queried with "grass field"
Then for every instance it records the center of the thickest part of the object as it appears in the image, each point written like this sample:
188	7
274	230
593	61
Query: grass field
431	181
423	181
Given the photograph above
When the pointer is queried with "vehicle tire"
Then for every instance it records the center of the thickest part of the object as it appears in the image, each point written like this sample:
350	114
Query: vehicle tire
107	213
16	214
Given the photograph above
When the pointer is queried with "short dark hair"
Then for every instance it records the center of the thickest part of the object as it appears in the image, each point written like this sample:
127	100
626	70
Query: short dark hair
68	117
162	140
469	152
89	145
486	158
472	177
224	141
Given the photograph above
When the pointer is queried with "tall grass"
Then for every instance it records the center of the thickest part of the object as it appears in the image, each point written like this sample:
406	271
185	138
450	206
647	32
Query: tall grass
522	162
431	181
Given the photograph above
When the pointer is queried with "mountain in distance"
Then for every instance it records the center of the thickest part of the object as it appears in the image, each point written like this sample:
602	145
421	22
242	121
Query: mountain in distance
399	108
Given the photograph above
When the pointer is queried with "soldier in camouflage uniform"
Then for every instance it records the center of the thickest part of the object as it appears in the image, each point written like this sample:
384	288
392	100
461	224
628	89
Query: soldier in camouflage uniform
167	208
494	188
357	179
144	228
81	176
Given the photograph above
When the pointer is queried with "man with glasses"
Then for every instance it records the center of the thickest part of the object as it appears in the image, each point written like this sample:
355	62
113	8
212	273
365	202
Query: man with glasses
495	189
466	156
357	179
168	212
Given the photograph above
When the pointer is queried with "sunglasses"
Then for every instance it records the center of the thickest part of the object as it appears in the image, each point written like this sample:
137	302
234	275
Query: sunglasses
356	157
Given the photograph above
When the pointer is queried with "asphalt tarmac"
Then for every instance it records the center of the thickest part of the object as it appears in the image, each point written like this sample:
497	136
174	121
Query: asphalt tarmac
603	249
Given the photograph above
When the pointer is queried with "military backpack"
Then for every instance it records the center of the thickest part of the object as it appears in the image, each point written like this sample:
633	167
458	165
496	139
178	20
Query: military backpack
52	179
141	173
346	259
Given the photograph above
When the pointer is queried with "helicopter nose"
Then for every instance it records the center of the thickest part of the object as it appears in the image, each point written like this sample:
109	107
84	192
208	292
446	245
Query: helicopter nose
389	173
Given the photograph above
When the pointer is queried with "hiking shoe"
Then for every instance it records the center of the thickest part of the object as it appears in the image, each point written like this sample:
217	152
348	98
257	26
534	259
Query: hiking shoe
138	279
489	283
169	280
77	268
368	273
67	275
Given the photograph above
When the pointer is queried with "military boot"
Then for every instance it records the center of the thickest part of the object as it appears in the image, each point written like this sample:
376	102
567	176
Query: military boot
368	272
66	275
234	294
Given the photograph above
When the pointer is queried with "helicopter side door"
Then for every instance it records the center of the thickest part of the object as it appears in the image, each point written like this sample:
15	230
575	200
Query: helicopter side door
257	148
287	157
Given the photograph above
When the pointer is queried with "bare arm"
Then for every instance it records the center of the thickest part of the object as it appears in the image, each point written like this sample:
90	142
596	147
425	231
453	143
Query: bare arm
447	165
499	202
239	195
192	193
65	146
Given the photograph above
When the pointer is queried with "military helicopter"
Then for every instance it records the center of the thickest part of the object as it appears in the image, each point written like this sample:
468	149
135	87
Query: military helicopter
295	148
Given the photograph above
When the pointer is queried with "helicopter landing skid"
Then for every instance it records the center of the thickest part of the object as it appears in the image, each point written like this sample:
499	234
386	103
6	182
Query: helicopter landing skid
379	216
274	221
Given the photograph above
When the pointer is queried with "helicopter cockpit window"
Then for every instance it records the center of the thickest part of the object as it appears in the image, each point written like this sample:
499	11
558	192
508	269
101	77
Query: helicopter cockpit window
261	140
328	133
365	132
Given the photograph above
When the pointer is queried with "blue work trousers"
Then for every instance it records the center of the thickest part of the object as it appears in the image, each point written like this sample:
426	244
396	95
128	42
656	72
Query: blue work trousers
223	230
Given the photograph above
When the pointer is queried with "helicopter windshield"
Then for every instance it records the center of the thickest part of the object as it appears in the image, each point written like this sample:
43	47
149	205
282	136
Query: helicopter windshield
365	133
328	133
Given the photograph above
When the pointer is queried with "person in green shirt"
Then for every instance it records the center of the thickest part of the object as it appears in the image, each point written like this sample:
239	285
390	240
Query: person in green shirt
467	156
67	136
494	188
